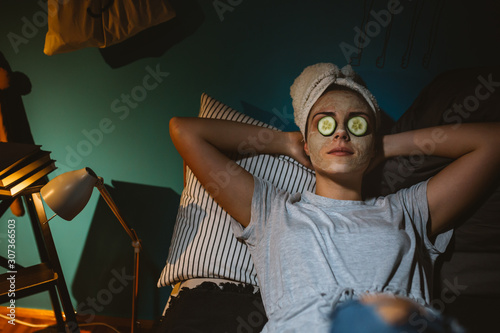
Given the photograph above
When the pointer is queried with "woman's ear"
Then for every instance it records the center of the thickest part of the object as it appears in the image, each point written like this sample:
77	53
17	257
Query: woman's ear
306	148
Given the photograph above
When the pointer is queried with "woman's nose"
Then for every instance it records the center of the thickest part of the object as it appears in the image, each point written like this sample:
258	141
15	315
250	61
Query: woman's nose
341	134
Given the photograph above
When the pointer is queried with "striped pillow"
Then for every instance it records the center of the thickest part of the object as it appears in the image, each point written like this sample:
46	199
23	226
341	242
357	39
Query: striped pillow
203	244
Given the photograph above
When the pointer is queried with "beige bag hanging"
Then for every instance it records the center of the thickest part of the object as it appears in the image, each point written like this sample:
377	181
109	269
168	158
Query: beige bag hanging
74	25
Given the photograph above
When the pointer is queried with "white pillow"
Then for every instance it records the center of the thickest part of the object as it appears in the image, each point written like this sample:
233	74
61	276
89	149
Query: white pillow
203	244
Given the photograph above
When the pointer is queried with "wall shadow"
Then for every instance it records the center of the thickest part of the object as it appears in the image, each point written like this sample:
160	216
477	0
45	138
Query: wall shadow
103	282
156	40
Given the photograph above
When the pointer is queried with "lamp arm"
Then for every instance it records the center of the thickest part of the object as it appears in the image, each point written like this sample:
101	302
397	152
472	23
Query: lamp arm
136	242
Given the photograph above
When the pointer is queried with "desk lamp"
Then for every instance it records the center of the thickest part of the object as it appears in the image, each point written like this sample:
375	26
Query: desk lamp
68	193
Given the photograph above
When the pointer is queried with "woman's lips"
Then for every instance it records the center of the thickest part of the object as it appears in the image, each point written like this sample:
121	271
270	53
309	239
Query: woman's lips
341	151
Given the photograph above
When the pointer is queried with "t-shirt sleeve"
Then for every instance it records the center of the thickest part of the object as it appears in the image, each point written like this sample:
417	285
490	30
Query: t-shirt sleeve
264	194
416	207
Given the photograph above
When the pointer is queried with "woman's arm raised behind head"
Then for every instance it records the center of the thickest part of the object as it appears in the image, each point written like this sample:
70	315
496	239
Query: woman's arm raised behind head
476	150
204	144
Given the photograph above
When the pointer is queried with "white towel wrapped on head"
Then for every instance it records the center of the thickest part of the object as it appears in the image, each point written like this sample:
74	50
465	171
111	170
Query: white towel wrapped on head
315	79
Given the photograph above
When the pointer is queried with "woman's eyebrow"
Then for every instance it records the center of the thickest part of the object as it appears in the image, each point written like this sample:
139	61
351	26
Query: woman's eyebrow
326	113
358	113
350	114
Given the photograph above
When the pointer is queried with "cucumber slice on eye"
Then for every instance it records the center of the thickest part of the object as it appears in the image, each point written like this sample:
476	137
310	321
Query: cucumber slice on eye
357	125
327	125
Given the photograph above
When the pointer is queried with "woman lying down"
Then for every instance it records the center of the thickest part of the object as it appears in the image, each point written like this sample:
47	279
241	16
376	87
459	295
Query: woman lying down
332	261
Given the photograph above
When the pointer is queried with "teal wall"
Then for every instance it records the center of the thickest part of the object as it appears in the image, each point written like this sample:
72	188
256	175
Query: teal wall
244	53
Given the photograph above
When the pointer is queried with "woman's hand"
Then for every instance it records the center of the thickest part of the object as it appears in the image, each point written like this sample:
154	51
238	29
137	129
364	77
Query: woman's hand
296	149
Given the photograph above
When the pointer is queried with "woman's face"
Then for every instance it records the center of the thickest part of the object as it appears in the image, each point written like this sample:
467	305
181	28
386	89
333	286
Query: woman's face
340	152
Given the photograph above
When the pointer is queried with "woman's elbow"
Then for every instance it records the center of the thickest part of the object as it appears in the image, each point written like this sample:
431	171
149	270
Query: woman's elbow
176	127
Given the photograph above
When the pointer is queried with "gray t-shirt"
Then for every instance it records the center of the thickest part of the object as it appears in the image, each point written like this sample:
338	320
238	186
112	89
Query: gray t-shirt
313	252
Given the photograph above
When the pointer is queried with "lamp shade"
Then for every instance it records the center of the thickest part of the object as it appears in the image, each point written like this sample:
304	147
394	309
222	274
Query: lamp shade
68	193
